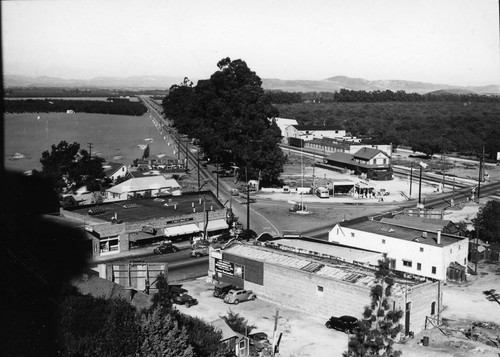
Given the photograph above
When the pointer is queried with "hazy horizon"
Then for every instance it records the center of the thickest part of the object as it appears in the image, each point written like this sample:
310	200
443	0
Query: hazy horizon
454	42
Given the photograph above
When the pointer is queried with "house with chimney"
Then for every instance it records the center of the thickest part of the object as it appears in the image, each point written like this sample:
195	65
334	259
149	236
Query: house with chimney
417	250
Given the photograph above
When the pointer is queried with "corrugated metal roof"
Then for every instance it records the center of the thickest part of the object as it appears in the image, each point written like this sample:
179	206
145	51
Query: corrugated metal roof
347	273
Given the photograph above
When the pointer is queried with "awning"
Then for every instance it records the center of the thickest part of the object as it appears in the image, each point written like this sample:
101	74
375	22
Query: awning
180	230
137	236
215	225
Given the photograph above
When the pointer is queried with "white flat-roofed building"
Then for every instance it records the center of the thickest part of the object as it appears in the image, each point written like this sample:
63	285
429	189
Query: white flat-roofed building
418	251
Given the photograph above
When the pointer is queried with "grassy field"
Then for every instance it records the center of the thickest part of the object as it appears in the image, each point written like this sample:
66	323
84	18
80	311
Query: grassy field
114	137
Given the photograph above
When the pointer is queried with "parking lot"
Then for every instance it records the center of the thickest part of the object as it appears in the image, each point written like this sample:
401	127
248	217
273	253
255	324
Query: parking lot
305	335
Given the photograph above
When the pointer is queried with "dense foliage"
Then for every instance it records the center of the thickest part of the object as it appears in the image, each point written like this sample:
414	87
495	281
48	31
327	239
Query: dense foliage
361	96
68	166
97	327
429	127
89	326
487	222
380	324
120	107
46	92
238	323
229	116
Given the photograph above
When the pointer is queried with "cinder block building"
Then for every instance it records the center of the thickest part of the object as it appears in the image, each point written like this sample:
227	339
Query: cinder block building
319	283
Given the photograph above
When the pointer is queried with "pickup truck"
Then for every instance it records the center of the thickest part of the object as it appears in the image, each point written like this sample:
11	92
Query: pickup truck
180	296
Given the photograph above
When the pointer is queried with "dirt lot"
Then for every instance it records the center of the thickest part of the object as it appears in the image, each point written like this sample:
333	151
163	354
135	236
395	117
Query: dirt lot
305	335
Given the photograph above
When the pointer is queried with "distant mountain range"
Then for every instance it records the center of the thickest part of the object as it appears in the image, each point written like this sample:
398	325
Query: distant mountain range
326	85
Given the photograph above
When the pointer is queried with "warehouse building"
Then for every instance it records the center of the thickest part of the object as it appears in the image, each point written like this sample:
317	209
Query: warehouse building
306	278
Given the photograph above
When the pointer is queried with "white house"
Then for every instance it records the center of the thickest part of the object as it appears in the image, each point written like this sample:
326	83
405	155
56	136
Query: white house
427	253
310	132
115	170
143	186
283	124
369	156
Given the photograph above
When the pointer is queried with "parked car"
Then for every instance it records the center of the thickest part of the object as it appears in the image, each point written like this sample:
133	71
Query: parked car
180	296
199	251
343	323
259	341
221	289
166	248
237	296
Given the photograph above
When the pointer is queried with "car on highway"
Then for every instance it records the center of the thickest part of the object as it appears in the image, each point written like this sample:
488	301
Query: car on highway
236	296
199	251
166	248
345	323
259	341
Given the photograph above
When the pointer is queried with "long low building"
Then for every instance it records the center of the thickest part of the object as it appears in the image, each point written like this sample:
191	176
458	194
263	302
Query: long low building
320	283
119	226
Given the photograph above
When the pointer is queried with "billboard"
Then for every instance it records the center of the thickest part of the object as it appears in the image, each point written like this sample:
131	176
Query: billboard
224	267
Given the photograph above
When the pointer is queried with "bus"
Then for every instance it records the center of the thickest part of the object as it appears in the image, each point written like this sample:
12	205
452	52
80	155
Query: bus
322	192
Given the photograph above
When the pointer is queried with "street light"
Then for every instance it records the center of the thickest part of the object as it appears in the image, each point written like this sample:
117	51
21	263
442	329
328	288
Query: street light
422	166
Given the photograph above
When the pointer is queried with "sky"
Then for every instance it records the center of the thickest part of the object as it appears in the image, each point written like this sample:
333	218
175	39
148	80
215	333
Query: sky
452	42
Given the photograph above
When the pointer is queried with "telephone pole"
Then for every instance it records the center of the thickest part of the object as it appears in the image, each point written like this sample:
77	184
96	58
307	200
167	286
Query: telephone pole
480	174
90	149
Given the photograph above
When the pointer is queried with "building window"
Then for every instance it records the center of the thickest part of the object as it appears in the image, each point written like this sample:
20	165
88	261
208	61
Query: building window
419	266
451	250
421	249
407	263
242	344
433	308
392	263
433	270
383	241
352	234
320	289
459	247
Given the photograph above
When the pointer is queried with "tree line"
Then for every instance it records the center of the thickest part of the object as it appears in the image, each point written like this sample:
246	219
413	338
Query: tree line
362	96
429	127
119	107
229	116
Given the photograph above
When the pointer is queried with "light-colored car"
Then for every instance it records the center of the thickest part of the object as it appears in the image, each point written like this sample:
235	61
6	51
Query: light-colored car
239	295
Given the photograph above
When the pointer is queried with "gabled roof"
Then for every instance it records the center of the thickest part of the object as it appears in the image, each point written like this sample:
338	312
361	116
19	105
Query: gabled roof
316	128
227	332
367	153
144	183
341	157
111	168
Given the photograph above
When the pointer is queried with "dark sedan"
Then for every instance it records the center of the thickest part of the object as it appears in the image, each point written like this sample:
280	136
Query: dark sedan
166	248
345	323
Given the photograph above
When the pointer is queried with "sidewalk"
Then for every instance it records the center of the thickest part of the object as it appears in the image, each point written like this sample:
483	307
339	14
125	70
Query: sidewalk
136	253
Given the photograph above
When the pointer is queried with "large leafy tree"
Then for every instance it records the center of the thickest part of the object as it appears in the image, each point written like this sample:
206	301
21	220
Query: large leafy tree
238	323
487	222
380	324
68	166
162	335
89	326
232	119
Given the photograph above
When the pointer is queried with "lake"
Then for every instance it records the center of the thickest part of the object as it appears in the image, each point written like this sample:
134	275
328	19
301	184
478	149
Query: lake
116	138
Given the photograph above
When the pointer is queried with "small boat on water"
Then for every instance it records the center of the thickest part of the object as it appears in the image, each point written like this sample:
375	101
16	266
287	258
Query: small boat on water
17	156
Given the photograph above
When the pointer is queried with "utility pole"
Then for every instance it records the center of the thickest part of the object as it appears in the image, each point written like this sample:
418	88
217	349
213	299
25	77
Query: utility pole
411	176
276	317
198	167
90	149
480	174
